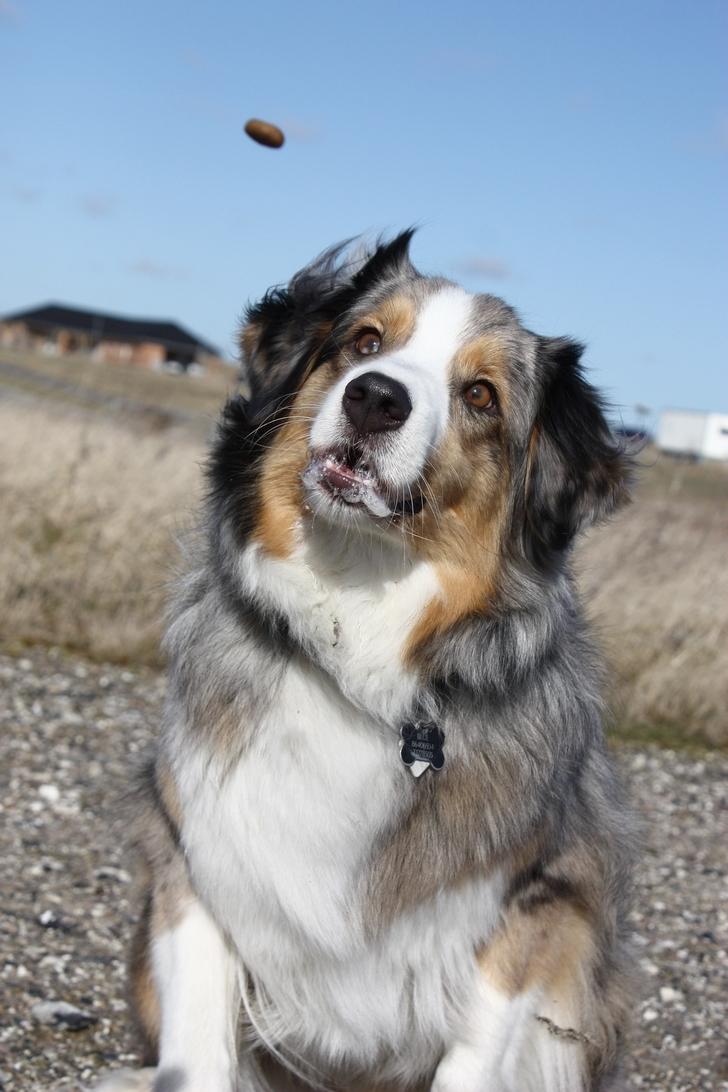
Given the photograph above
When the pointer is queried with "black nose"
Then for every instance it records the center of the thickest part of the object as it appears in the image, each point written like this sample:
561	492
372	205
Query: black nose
375	403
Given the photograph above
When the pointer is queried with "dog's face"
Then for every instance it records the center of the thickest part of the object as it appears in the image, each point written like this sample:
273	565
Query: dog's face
411	421
404	405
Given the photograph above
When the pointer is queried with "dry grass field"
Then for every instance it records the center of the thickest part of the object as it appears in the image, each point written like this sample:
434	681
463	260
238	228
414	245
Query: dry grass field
90	508
85	382
655	582
91	501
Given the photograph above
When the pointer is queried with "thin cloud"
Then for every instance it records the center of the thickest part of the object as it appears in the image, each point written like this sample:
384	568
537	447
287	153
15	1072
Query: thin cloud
26	195
481	266
582	102
148	267
9	12
194	59
708	141
97	205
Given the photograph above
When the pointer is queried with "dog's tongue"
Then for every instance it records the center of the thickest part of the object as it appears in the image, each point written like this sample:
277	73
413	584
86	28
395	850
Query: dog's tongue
339	475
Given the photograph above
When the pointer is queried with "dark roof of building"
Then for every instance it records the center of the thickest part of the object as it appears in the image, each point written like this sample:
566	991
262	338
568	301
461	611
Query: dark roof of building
54	316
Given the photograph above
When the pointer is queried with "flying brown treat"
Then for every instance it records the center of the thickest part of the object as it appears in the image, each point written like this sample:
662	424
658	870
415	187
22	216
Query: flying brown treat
263	132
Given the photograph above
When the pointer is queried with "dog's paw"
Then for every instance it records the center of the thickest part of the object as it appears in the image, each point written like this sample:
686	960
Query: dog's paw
127	1080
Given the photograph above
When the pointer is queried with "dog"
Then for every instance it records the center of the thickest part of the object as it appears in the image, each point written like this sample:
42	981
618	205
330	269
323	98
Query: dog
386	846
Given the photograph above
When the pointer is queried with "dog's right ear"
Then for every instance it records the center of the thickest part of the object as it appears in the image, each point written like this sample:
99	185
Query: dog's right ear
577	473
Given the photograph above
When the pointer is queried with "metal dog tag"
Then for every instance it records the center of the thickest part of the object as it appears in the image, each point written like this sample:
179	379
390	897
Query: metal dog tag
420	746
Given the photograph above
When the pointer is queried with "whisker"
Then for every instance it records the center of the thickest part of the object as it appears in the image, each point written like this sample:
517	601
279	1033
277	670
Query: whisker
420	538
258	436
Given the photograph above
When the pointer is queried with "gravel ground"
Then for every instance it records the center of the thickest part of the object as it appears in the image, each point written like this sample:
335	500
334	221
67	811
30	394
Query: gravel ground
69	730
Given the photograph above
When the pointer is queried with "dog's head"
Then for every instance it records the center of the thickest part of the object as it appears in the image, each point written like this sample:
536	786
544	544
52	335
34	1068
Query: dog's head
405	406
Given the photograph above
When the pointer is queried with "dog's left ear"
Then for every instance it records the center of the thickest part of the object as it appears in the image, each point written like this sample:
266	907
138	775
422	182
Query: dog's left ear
282	330
577	471
282	333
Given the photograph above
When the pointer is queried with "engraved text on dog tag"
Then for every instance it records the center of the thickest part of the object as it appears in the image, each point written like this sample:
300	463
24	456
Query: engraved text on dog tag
420	746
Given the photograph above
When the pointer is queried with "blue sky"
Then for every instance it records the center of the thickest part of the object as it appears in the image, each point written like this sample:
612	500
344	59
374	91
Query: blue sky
568	155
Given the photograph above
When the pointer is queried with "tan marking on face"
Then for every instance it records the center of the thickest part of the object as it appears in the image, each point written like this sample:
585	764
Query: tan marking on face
462	527
395	318
484	357
461	531
280	488
551	946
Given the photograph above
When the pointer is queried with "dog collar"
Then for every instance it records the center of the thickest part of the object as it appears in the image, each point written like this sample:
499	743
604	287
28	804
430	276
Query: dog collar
420	746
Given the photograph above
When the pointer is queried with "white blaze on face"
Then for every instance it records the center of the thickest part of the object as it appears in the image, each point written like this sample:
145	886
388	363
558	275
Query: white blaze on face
422	365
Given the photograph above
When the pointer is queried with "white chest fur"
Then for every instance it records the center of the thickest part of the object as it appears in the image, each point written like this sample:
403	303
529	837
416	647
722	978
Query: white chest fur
283	836
355	603
278	848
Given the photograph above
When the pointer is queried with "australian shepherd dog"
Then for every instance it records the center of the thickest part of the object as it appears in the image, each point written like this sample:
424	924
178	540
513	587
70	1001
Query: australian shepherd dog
386	846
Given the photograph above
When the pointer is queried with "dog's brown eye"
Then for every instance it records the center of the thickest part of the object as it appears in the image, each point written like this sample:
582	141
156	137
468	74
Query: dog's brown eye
368	342
480	395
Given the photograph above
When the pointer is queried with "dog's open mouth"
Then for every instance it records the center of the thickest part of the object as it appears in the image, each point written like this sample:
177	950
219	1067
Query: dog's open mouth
347	477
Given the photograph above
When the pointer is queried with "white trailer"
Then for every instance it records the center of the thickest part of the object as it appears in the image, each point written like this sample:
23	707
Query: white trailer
715	440
693	434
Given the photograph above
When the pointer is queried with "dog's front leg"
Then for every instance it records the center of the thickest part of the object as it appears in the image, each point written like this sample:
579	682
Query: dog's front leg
184	984
507	1046
183	974
474	1062
195	976
543	1016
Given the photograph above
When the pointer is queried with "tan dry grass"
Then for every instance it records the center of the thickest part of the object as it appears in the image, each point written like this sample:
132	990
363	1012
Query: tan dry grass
90	506
89	510
656	583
